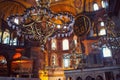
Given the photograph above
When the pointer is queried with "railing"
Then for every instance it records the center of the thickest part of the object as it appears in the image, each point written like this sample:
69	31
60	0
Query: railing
14	78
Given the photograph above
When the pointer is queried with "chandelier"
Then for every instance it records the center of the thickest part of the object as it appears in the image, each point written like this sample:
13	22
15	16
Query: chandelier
38	23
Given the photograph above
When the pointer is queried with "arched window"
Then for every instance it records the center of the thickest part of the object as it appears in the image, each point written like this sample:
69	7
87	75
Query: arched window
106	51
53	60
69	78
65	44
95	7
6	37
103	4
102	30
15	41
102	23
75	40
6	40
53	44
66	60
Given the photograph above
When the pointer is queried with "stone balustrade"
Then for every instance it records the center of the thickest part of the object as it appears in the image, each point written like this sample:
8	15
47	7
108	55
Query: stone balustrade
14	78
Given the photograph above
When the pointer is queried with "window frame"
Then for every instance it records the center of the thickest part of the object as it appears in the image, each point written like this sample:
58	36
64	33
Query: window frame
95	6
65	44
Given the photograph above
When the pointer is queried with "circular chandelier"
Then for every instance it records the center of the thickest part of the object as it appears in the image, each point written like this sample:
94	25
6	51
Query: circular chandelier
38	23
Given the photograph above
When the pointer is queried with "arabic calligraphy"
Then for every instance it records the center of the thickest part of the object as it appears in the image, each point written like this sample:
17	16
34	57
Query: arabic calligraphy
82	25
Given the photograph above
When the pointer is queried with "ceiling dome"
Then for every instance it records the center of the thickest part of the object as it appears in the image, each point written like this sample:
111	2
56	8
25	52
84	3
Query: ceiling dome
12	7
63	6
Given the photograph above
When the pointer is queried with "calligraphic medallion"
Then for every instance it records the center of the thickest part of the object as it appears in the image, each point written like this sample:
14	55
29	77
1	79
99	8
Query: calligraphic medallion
82	25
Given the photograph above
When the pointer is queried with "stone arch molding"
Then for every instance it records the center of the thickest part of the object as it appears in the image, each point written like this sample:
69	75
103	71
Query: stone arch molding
79	78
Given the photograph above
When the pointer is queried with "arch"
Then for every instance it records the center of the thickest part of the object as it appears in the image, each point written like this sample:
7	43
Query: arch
75	38
15	2
118	77
95	7
103	4
6	37
14	42
66	60
78	78
99	77
89	78
53	44
54	59
65	44
14	38
12	7
69	78
59	79
106	51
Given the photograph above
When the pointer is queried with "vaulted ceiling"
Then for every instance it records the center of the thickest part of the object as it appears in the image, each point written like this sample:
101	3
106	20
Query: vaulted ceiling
8	7
12	7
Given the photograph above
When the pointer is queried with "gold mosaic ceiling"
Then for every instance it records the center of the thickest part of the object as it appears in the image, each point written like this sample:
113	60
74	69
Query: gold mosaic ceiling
9	7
